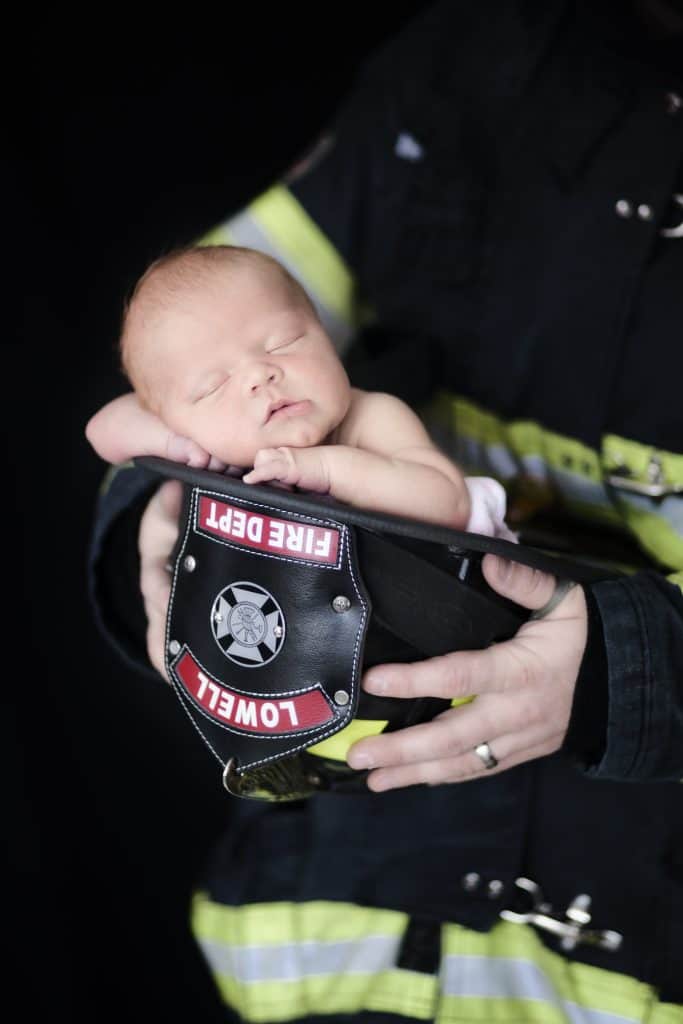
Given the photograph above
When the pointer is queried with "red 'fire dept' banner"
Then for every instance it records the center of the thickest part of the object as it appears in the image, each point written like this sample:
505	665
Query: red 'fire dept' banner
279	537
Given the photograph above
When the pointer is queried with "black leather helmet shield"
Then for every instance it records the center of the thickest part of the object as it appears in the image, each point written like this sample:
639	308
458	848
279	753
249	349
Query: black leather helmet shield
280	600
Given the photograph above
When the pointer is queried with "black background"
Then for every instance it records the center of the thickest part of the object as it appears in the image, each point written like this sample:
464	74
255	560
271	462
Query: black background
124	140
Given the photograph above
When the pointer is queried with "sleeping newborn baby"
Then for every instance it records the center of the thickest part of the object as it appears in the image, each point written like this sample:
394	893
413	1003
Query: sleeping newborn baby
231	367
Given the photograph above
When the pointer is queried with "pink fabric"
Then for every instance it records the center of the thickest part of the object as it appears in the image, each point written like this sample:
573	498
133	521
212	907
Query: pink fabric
489	503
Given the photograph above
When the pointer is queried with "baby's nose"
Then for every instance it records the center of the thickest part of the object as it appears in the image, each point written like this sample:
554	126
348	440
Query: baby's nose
262	374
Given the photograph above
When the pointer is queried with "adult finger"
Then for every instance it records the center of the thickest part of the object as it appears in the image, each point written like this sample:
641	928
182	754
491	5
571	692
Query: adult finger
463	768
453	733
456	675
528	587
156	640
518	715
157	535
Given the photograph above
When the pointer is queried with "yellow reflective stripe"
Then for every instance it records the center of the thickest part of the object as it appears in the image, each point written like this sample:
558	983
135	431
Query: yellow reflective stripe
621	452
282	961
310	927
337	747
655	534
321	267
657	522
677	579
405	993
283	922
572	983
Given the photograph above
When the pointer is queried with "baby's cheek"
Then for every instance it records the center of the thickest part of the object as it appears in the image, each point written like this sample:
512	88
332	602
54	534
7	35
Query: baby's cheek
235	443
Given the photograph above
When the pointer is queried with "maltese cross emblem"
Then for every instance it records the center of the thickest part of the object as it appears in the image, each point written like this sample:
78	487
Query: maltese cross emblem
248	624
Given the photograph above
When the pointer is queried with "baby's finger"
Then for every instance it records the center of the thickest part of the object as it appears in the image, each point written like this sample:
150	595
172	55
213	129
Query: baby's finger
264	455
257	476
275	469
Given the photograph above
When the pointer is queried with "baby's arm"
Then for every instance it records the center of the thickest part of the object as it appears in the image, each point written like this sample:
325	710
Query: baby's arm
122	429
389	464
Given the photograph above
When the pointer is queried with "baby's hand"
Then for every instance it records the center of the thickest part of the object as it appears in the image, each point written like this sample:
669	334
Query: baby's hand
297	467
182	449
122	429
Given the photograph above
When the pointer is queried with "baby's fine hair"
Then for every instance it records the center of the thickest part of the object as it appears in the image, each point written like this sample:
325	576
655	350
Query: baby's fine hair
191	266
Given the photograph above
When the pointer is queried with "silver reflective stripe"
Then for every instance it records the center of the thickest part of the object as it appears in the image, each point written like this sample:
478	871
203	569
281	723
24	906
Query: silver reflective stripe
295	961
508	978
246	232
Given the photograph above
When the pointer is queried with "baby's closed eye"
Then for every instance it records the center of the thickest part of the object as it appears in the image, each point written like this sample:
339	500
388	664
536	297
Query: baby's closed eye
288	343
212	389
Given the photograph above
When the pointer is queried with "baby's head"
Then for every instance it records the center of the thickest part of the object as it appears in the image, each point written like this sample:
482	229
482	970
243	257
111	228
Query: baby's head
226	347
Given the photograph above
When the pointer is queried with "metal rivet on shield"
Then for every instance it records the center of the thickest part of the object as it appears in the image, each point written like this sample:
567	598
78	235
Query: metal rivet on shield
190	563
217	617
173	647
341	603
277	631
341	697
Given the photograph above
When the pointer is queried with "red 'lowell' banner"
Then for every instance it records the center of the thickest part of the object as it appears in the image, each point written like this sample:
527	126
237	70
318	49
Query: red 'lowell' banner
295	713
279	537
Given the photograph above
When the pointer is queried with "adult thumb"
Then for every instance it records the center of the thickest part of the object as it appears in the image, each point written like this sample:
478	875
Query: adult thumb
531	588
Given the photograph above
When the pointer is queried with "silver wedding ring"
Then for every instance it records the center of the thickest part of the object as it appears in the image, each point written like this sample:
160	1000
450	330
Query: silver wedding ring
562	588
485	754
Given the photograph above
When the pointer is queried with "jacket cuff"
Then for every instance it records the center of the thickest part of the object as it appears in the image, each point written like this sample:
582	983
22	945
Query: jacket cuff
586	737
642	619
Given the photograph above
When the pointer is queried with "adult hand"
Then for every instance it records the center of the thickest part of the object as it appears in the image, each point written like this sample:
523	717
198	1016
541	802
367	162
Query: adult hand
157	535
523	686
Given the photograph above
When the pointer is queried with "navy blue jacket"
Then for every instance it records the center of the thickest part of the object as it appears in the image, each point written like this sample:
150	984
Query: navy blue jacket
520	263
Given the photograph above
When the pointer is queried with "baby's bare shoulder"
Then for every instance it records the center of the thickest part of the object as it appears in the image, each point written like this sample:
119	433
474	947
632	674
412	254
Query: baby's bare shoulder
370	413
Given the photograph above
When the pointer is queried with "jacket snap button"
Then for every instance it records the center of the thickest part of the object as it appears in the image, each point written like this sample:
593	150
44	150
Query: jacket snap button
623	208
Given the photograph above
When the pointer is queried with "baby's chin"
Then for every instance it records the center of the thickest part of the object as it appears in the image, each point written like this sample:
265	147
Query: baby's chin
296	433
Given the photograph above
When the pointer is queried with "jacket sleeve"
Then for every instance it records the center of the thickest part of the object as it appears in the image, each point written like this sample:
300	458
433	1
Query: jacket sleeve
642	624
627	715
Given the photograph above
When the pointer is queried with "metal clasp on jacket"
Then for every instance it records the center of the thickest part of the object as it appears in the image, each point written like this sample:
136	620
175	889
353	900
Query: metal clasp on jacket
676	230
572	931
654	486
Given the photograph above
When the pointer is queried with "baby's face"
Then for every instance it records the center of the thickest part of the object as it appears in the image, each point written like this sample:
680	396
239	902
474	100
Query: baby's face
243	366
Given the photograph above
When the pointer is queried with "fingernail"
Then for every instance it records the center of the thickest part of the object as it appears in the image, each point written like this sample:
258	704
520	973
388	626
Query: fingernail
359	759
504	569
375	683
